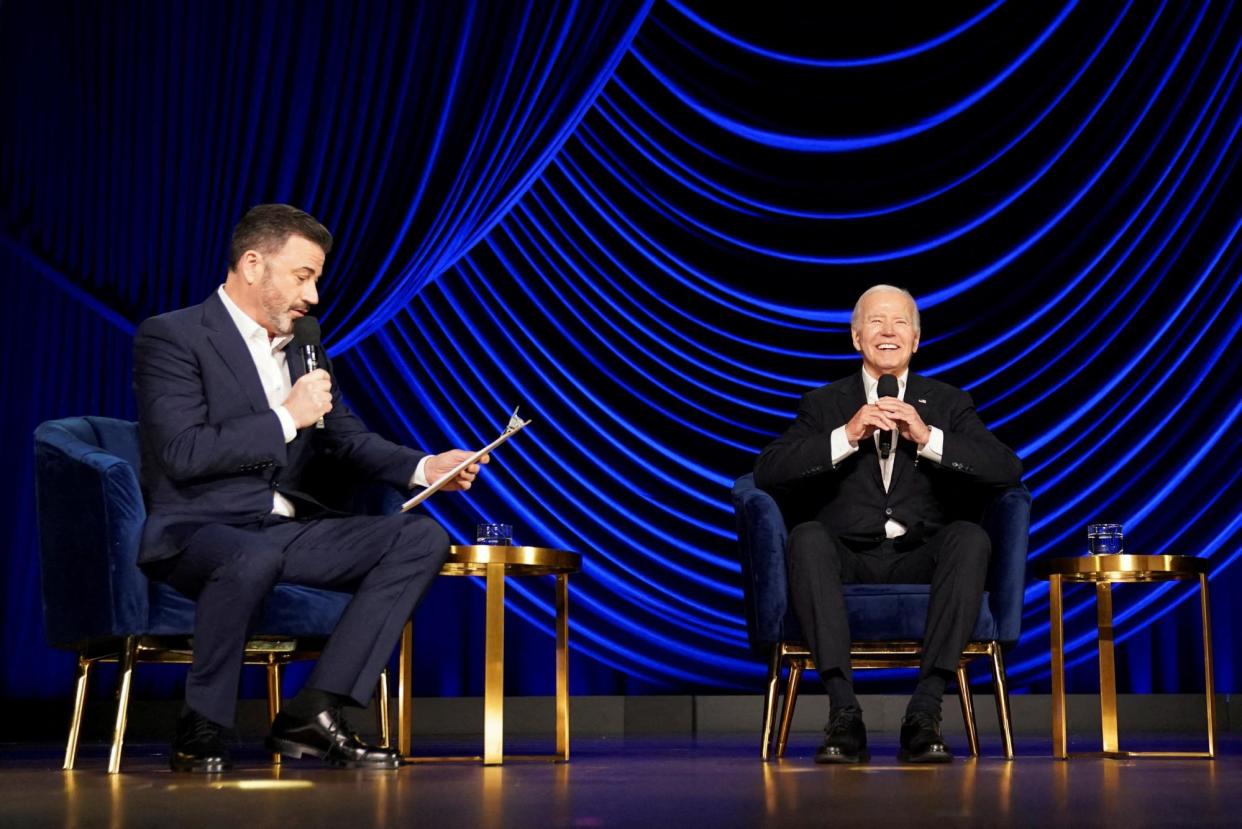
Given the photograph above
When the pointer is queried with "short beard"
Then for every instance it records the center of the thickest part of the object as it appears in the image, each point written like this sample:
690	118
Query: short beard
278	318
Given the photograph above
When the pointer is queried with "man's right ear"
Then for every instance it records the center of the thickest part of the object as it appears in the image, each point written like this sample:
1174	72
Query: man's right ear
250	266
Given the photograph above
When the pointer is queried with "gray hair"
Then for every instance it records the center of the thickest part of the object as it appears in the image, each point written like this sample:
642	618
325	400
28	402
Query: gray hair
856	317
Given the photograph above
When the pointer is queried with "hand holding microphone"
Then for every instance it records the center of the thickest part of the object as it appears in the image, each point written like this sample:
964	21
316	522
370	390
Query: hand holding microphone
886	387
311	397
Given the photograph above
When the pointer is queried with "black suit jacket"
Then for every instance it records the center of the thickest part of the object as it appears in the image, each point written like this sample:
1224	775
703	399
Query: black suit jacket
923	495
212	448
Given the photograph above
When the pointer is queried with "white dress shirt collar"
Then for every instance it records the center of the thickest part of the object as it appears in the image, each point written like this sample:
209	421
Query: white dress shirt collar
870	383
249	329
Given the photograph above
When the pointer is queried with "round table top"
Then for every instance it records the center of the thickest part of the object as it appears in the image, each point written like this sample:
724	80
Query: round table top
472	560
1124	567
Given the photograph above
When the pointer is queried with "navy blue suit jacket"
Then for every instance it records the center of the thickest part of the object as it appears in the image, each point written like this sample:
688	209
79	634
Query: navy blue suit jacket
212	448
850	499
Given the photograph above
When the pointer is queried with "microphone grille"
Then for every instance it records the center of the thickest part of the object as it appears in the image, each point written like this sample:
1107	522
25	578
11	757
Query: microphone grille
306	331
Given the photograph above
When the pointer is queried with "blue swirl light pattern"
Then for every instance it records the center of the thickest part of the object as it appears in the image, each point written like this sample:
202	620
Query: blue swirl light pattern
660	297
647	223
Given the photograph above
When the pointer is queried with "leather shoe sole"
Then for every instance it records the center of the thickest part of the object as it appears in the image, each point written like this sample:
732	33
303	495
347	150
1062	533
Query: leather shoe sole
199	765
289	748
934	753
831	755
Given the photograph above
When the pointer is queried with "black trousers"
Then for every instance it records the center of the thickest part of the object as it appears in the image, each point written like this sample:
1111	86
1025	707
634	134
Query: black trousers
954	562
387	562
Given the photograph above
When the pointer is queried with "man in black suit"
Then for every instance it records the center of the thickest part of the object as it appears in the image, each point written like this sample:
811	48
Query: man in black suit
886	519
228	422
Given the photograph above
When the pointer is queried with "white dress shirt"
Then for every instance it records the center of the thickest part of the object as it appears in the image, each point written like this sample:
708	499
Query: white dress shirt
268	354
933	450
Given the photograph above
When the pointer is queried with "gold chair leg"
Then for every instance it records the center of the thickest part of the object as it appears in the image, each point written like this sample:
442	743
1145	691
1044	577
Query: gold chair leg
79	703
968	710
791	699
1000	684
405	690
769	700
381	708
129	653
273	695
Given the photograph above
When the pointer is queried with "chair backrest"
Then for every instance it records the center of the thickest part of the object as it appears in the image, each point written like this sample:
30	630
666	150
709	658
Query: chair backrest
90	515
762	534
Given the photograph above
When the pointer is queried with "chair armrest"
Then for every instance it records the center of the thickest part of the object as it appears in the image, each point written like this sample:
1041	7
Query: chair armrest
1007	520
761	537
90	517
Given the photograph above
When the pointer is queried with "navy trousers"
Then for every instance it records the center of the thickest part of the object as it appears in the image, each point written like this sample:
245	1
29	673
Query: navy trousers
387	562
954	562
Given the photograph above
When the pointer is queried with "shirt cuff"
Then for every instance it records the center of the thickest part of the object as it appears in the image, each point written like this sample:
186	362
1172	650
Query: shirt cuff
286	423
933	450
419	477
841	446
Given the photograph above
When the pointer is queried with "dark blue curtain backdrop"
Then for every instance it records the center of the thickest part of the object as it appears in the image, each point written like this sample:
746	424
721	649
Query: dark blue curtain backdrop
647	226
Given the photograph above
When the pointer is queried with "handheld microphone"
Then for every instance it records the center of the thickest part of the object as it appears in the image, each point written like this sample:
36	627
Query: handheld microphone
308	340
887	387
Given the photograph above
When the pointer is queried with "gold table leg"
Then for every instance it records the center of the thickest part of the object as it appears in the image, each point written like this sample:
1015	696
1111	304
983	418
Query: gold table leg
562	668
1056	630
1209	686
405	690
494	668
1108	666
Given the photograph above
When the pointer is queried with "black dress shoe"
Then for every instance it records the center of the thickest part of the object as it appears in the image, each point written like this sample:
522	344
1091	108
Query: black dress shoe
199	746
921	741
328	737
845	738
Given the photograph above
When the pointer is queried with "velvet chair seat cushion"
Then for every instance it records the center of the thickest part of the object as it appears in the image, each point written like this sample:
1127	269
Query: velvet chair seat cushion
290	610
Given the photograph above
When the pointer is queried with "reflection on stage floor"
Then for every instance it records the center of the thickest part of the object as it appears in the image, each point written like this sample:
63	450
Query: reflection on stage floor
612	781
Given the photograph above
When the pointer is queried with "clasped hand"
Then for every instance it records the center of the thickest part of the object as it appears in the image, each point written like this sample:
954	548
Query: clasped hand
888	413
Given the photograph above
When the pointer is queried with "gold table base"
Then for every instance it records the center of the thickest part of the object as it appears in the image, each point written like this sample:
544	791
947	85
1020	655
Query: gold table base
1104	571
494	564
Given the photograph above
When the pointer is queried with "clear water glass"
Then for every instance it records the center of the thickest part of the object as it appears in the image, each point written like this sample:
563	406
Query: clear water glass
494	535
1105	539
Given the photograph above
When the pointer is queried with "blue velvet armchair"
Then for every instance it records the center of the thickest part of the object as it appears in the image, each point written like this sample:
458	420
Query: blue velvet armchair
886	620
97	602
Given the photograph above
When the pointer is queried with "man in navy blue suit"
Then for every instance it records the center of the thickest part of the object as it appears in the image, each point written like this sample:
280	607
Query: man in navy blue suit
228	420
886	470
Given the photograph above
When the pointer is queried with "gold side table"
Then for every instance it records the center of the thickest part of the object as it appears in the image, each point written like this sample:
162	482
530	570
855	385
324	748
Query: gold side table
495	563
1104	571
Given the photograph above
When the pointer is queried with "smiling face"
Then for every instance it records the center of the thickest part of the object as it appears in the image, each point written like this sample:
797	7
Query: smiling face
277	288
884	333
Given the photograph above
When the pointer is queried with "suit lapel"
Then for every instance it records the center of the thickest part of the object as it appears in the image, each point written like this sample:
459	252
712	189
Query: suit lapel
228	343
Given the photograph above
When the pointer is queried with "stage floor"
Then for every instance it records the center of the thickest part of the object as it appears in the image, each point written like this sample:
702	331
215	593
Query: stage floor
652	782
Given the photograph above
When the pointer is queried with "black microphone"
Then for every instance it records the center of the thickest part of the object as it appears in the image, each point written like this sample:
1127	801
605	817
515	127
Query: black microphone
308	340
887	387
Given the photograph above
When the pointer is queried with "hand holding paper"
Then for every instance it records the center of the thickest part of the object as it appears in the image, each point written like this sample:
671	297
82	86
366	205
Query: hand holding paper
456	468
442	464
